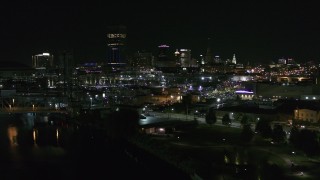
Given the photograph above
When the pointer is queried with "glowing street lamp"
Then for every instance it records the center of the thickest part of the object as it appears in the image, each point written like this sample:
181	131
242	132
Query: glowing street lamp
12	103
194	114
90	102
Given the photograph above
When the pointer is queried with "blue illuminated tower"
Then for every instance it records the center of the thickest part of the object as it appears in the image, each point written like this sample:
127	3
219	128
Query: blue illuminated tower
116	43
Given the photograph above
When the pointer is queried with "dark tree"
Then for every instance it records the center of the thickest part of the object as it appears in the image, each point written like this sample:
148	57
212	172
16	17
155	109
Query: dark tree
247	133
244	120
186	101
294	138
226	120
309	142
211	117
122	124
271	171
263	127
278	134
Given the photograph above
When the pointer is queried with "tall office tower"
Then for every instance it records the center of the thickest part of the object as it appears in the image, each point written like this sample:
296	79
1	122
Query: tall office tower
65	64
209	57
185	57
165	58
234	60
116	42
217	59
42	61
290	61
282	61
163	52
177	58
202	60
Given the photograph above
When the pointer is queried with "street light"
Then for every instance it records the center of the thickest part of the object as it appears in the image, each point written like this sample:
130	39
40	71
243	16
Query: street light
194	114
90	102
168	112
13	104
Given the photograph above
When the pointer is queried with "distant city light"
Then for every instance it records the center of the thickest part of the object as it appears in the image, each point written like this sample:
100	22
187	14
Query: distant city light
163	46
244	92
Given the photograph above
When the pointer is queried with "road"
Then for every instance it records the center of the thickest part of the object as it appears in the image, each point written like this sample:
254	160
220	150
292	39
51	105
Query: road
156	117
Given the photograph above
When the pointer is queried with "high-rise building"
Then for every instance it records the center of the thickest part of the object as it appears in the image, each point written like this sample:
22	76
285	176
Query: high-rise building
217	59
42	61
165	58
177	58
116	42
282	61
202	60
185	57
290	61
234	60
163	53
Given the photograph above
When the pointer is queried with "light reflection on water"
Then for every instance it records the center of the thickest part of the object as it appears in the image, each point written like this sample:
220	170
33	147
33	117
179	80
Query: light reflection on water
12	135
34	135
24	140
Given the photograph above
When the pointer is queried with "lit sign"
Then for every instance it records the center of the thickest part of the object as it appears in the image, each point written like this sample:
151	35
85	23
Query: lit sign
111	36
244	92
163	46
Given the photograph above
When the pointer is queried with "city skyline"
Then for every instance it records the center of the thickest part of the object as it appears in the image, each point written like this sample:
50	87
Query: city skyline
256	32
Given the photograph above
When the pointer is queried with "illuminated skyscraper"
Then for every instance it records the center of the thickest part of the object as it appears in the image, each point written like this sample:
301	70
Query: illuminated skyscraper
185	57
217	59
234	60
163	53
116	41
282	61
177	58
165	57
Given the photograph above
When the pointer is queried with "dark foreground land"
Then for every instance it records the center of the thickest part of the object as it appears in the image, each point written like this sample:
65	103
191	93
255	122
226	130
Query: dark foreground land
74	152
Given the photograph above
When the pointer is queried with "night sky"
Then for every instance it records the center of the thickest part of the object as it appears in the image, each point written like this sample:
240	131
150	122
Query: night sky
255	32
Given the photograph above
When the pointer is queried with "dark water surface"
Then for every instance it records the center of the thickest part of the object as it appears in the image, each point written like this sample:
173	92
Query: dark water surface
47	151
